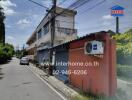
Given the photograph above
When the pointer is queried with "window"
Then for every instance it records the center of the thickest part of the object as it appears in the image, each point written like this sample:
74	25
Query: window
39	34
46	28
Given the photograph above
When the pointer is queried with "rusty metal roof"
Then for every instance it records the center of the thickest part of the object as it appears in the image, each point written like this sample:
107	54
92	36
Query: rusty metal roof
80	38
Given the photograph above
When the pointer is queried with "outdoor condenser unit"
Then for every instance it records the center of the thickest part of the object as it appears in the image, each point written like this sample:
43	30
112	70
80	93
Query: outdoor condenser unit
94	47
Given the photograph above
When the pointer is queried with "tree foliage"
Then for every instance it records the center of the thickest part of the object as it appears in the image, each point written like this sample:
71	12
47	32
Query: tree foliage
6	52
124	47
21	53
2	25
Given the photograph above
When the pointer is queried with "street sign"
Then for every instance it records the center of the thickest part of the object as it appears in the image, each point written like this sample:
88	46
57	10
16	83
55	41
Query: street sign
117	11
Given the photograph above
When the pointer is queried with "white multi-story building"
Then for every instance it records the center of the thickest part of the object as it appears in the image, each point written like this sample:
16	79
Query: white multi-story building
64	30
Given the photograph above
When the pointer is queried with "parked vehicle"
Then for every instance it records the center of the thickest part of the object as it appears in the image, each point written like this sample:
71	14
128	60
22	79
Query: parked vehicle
24	61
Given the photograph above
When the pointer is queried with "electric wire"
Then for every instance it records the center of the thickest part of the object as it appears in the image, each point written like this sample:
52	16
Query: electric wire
62	2
94	6
38	4
75	5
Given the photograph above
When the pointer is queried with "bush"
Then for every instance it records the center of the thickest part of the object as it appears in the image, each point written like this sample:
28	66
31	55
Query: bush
124	53
3	56
6	52
21	53
124	71
124	47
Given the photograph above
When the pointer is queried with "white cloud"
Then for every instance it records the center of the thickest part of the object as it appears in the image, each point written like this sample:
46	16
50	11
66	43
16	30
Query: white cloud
10	38
9	11
23	21
7	5
107	17
8	26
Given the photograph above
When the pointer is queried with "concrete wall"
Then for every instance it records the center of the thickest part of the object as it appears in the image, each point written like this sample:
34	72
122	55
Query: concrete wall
101	69
64	21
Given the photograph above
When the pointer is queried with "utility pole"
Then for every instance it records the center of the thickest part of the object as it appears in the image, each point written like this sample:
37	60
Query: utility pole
53	15
117	24
23	47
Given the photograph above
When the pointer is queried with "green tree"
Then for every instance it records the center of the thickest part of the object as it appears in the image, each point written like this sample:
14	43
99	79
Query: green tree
6	52
124	47
21	53
2	25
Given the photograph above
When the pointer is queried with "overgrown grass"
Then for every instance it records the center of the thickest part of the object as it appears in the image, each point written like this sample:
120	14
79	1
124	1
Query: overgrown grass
84	96
120	95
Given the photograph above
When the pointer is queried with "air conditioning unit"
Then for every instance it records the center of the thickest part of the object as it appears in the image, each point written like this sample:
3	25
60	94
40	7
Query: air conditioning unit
94	47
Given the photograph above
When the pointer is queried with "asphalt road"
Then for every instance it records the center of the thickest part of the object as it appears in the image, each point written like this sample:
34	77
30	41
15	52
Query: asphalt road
18	83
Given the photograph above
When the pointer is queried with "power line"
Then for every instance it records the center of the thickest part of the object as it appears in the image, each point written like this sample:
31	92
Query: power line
62	2
72	5
92	7
38	4
79	4
75	3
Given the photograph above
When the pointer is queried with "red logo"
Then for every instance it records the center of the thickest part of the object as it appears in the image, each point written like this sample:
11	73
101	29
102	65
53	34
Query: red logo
117	12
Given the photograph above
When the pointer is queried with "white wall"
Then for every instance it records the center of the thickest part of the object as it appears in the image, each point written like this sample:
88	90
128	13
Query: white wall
44	39
66	22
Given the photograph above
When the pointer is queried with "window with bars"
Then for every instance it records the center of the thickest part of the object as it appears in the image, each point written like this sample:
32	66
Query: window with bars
46	28
39	33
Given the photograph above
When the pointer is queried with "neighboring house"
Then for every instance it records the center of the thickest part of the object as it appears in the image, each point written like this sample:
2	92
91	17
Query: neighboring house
32	49
64	32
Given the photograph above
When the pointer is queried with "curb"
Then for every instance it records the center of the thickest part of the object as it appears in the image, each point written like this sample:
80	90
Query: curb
54	82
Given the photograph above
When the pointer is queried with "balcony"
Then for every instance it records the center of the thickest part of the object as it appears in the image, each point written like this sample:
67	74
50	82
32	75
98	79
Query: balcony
44	39
31	46
66	31
65	34
62	34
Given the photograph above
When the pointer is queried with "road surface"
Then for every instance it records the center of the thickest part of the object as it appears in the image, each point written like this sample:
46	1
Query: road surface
17	82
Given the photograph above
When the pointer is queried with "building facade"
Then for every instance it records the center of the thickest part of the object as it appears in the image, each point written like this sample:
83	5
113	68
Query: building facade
32	46
64	31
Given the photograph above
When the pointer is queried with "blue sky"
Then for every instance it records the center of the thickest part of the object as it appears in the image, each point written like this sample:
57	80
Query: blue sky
22	17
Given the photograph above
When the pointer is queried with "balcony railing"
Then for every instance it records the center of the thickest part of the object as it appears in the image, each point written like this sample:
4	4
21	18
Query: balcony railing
31	46
60	33
66	30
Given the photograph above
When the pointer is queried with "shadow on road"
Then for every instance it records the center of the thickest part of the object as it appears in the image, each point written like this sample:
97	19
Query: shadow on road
5	62
1	74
